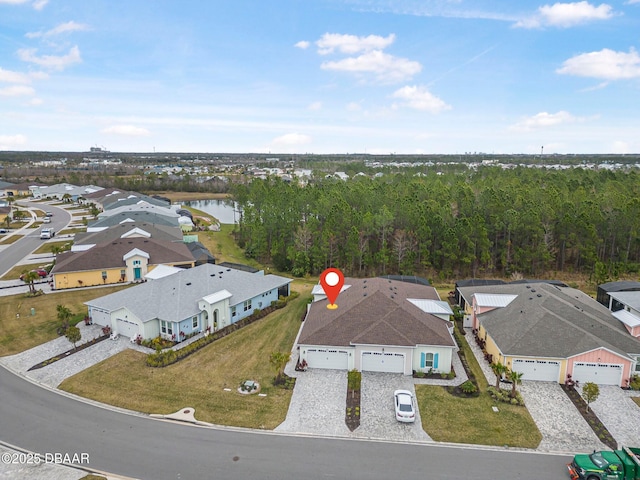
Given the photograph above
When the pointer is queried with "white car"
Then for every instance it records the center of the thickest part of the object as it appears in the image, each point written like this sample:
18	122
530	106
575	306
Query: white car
405	406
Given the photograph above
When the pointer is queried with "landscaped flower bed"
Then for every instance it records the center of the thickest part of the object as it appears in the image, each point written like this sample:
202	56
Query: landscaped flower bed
592	419
79	348
352	414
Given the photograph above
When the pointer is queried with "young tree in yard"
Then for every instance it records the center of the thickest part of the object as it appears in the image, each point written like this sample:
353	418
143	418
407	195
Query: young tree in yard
516	379
590	392
73	335
64	315
499	369
279	361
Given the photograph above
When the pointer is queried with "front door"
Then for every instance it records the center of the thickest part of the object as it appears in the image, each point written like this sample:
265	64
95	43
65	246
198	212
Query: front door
137	273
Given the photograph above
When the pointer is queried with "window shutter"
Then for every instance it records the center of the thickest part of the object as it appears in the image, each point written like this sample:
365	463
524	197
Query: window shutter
435	361
422	359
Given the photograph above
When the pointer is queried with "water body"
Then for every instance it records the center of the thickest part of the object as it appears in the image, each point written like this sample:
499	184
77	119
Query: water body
226	211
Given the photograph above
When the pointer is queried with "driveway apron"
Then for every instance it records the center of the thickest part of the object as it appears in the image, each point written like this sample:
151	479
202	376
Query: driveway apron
619	414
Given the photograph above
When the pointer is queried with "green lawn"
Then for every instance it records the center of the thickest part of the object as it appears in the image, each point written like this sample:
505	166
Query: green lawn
199	380
448	418
27	331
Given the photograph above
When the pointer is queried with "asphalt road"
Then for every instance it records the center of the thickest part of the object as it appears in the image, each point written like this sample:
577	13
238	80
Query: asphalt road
43	421
16	251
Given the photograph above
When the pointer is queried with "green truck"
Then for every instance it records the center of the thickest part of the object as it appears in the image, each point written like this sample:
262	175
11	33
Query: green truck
621	464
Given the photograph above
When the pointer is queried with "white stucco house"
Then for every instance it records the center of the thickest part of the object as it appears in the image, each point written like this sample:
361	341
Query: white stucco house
207	297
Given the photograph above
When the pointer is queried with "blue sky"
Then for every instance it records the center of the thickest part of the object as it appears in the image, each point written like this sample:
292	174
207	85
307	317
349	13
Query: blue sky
320	76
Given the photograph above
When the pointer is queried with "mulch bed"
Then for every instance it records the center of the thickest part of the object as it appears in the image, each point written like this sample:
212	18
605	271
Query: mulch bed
352	416
592	419
60	356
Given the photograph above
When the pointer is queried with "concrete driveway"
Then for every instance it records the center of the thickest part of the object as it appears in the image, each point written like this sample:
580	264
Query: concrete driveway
378	418
619	414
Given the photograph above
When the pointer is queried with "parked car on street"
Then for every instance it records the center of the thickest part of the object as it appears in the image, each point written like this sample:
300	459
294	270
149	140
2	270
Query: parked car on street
40	271
405	406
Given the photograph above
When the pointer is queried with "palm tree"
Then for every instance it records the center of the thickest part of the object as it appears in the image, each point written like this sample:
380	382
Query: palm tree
499	369
516	379
30	277
64	315
279	360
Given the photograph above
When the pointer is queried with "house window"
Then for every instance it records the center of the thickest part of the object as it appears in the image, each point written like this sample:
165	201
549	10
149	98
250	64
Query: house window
136	263
233	311
194	322
247	305
166	327
638	366
428	360
104	275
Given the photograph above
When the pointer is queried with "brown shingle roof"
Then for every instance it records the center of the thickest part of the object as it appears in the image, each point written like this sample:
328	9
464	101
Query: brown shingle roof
376	311
109	255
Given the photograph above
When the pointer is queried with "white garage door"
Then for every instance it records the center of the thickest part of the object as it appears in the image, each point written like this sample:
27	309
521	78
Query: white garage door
540	370
327	358
383	362
127	328
600	373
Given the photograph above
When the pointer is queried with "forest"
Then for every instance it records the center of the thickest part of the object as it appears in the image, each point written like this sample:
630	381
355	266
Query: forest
491	222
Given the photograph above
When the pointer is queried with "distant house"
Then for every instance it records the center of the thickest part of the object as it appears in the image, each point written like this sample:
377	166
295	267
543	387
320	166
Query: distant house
86	240
549	333
4	213
62	191
380	325
153	218
188	302
119	261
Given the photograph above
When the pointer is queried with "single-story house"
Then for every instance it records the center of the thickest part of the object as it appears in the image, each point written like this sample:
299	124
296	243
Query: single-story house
119	261
380	325
131	217
5	211
63	191
187	302
552	333
86	240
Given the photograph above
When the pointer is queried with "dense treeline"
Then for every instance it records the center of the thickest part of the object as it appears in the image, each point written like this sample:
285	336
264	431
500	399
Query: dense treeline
492	222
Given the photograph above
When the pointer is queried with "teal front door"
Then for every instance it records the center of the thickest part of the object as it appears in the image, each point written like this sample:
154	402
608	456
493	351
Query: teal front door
137	273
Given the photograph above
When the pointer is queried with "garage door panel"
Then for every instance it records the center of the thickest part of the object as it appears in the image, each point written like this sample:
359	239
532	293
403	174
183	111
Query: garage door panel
127	329
327	358
383	362
537	370
600	373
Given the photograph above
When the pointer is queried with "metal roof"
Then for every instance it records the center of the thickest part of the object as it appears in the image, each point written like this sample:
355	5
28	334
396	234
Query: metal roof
493	299
631	299
436	307
629	319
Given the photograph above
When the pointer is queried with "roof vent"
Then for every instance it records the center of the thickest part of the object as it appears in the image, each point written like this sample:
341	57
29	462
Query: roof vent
533	290
530	298
365	281
228	269
528	286
391	288
188	283
539	295
220	273
212	275
364	294
364	286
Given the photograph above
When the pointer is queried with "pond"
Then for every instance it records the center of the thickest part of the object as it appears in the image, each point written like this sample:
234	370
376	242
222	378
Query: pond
226	211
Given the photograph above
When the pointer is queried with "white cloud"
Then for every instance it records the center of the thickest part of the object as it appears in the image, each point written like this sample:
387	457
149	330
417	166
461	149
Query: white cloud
291	139
315	106
386	68
351	44
126	130
303	44
620	146
57	62
39	4
566	15
631	2
16	91
62	28
353	107
544	120
13	77
12	2
35	102
605	64
419	98
8	142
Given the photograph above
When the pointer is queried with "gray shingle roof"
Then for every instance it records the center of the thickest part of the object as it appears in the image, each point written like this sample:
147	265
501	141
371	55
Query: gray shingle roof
376	311
159	232
136	216
176	296
549	321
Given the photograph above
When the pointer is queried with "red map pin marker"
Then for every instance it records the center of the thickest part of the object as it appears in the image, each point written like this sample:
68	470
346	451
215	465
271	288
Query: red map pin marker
332	281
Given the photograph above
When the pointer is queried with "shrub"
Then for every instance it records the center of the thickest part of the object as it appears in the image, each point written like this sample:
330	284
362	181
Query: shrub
468	387
635	382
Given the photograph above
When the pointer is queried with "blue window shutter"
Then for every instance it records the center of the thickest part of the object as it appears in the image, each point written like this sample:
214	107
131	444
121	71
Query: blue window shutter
435	361
422	357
